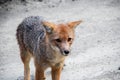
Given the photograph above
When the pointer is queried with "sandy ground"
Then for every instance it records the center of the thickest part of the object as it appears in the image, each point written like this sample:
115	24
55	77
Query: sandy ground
96	51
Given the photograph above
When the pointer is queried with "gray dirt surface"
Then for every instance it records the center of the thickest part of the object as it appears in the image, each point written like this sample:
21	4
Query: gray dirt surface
95	52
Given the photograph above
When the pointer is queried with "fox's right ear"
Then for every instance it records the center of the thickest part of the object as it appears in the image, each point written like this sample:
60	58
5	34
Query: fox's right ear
49	26
74	23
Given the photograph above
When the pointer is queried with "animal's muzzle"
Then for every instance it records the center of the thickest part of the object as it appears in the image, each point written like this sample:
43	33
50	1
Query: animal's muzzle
66	52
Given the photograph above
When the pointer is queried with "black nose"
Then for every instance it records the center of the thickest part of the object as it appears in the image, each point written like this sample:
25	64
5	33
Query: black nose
66	52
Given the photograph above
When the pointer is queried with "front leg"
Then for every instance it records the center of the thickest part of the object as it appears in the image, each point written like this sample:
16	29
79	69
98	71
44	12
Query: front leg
39	71
39	74
56	71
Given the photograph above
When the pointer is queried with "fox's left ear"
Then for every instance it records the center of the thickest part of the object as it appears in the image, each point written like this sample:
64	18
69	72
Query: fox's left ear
49	26
74	24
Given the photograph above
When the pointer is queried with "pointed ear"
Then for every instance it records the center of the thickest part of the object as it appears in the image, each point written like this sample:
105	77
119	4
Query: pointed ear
49	26
74	23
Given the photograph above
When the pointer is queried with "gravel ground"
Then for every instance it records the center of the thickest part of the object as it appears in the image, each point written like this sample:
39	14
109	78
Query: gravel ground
96	51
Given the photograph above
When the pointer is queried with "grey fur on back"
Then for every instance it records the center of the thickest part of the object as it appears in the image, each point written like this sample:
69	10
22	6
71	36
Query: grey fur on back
33	34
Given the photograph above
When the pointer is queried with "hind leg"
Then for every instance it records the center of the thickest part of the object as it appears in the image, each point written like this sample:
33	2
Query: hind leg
25	56
24	53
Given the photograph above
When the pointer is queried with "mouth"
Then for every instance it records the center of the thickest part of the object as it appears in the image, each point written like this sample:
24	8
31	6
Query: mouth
65	54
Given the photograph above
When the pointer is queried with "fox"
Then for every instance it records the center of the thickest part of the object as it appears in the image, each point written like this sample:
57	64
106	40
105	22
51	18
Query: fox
47	42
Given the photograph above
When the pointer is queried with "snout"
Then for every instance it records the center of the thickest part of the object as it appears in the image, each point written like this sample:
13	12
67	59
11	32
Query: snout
66	52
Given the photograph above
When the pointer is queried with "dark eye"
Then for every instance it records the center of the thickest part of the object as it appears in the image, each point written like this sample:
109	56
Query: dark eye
58	40
69	39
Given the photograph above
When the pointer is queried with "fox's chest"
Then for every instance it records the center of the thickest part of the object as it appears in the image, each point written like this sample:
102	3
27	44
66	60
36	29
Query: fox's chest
56	60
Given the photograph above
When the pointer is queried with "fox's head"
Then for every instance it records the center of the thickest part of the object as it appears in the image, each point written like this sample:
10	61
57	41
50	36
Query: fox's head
61	36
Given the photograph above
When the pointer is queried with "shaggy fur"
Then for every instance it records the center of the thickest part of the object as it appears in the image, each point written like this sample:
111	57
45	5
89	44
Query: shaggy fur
31	34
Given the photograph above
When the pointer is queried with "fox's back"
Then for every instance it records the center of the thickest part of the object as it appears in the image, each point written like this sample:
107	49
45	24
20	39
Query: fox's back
32	31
